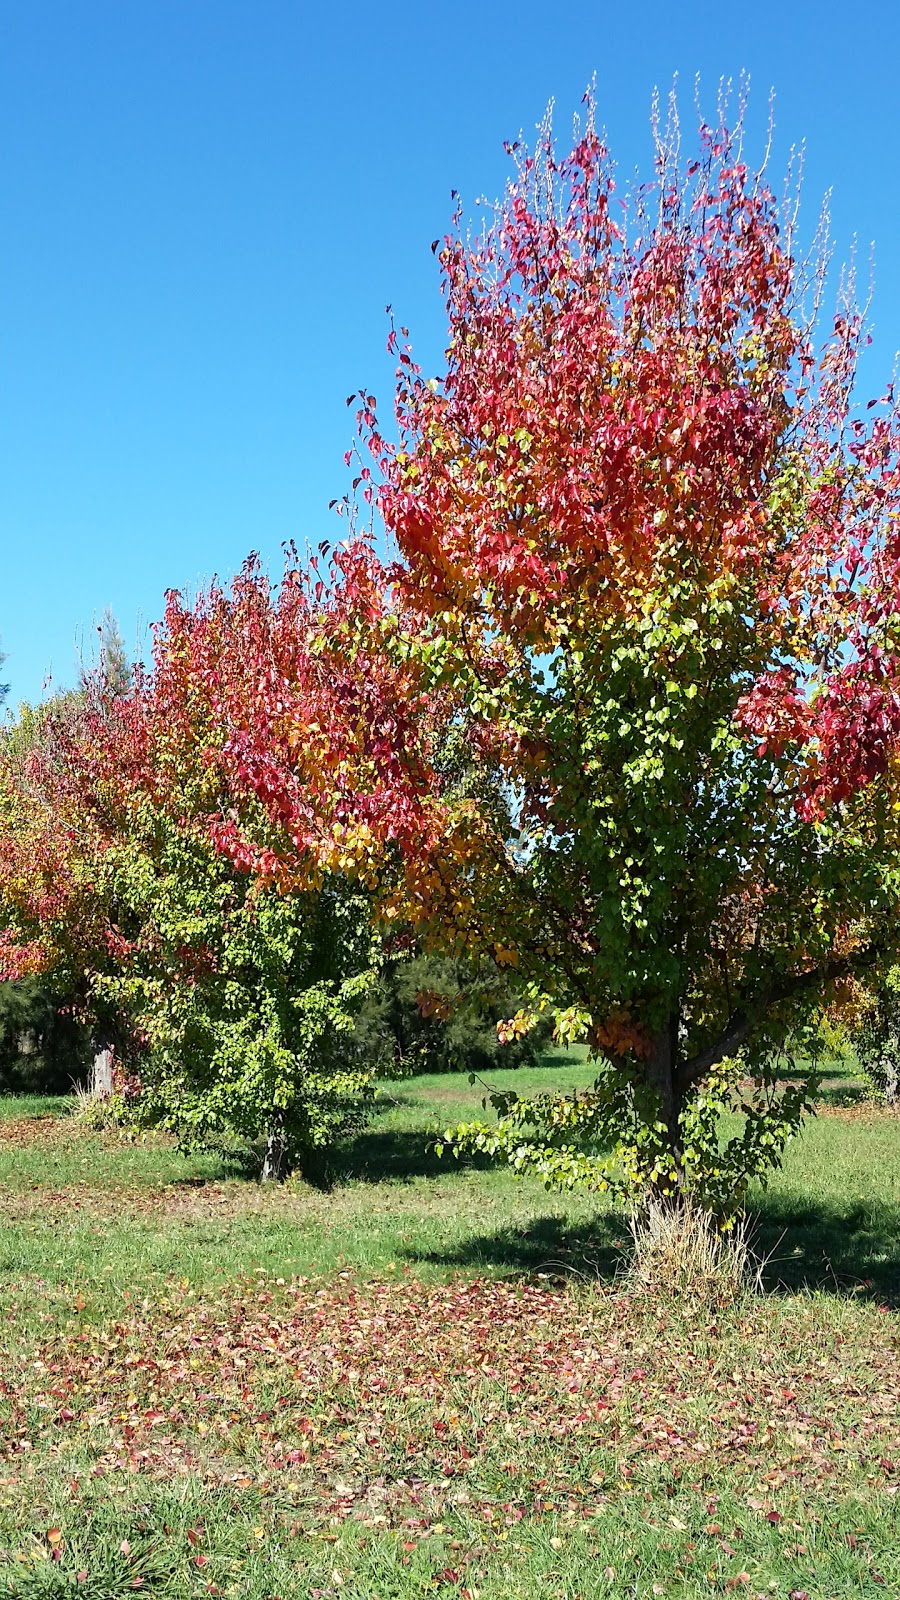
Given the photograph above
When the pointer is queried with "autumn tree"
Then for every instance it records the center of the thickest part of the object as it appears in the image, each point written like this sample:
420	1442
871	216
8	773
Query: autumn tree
240	997
47	924
648	539
621	709
33	737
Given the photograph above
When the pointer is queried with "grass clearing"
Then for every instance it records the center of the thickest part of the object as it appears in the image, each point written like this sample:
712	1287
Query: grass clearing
429	1379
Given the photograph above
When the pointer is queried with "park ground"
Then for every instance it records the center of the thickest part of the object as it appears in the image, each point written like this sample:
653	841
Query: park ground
430	1379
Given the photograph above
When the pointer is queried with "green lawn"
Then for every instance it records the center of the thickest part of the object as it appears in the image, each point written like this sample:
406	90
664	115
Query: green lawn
431	1379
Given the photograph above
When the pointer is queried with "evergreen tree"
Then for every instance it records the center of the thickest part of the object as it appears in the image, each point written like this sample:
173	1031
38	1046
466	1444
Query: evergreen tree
115	668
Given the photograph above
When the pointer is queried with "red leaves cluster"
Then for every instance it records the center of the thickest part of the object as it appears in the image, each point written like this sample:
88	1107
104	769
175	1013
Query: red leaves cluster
302	712
847	734
632	398
47	842
272	723
603	395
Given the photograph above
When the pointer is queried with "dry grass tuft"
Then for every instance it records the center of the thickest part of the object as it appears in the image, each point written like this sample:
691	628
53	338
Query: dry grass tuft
683	1251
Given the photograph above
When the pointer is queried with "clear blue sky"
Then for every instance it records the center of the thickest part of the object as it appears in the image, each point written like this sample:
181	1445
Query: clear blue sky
205	206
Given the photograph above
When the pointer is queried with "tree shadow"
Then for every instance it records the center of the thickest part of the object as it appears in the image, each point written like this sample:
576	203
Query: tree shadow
548	1245
852	1249
843	1092
378	1155
224	1162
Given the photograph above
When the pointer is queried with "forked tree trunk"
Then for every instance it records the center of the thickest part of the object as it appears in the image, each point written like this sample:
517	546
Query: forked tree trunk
661	1067
277	1159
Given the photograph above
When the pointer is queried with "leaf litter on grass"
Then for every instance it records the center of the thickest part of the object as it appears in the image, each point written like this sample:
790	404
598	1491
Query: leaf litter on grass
399	1439
29	1130
484	1407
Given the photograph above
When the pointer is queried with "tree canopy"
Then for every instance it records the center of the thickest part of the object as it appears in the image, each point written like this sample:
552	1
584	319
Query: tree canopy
235	1001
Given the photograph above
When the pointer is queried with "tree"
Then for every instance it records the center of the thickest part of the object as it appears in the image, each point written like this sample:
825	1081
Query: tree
240	998
649	543
42	1045
115	668
431	1013
49	920
53	928
243	998
874	1033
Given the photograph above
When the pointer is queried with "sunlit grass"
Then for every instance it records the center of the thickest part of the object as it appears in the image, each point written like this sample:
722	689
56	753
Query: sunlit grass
785	1405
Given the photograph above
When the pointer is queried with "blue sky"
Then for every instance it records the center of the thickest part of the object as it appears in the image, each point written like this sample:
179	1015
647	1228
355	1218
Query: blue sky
206	205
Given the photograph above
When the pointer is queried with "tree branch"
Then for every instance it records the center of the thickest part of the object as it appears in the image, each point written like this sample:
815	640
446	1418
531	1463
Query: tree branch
743	1022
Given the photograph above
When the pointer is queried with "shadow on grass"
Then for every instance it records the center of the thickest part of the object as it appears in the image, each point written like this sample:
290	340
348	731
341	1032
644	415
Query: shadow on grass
843	1092
379	1155
374	1155
598	1249
852	1249
241	1162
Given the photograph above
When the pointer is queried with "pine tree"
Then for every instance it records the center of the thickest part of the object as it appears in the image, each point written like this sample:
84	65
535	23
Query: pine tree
115	668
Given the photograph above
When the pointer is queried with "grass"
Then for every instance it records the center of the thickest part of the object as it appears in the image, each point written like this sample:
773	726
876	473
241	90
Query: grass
431	1379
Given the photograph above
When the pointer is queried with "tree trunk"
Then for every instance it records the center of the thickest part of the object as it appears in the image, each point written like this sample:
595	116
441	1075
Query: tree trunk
660	1070
277	1160
892	1082
102	1072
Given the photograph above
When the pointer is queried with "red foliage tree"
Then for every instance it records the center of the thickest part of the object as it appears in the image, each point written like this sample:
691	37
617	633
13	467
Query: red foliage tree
138	852
648	537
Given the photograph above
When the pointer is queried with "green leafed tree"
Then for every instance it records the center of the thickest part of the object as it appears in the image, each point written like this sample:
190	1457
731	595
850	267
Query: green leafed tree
242	1000
430	1013
114	665
874	1033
